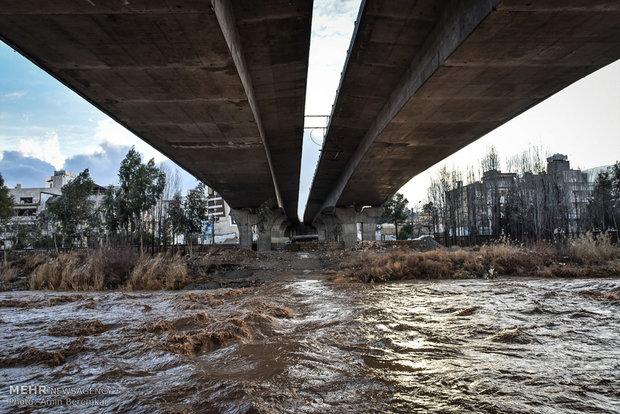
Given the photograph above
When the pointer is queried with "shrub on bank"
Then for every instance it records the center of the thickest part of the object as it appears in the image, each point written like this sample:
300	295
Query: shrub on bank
583	257
8	273
159	272
587	249
108	268
99	269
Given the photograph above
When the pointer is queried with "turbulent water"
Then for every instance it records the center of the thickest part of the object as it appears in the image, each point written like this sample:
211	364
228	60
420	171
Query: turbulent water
508	345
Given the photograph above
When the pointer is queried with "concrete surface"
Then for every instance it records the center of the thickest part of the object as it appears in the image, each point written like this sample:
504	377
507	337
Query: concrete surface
218	86
424	79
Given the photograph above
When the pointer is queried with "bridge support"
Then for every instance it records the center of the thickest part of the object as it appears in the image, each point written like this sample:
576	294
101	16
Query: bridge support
341	224
348	225
328	227
245	220
370	217
267	222
279	231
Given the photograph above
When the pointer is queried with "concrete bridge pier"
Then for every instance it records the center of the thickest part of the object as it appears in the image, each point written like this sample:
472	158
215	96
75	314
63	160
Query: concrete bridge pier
370	217
328	227
279	232
320	230
245	220
266	223
348	223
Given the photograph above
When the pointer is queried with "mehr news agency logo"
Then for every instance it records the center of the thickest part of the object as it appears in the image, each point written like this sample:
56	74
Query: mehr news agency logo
47	396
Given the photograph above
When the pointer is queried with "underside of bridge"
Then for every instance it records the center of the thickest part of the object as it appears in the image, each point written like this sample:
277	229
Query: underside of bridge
217	86
425	78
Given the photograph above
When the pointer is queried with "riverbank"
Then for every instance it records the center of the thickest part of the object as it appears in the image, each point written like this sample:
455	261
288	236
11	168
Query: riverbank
580	258
124	269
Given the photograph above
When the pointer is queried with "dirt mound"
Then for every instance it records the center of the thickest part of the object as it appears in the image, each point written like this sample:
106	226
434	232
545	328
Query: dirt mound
314	246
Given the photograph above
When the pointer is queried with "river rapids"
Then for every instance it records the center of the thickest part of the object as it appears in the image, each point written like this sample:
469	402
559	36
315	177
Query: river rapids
312	346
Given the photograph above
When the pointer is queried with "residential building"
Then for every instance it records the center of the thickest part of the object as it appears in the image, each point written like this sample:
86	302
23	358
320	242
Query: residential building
546	204
220	228
29	202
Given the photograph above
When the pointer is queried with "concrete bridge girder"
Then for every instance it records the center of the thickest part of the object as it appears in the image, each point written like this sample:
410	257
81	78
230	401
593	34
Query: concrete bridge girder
218	86
455	70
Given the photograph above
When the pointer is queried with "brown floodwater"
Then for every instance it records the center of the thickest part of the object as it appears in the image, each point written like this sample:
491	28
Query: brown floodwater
311	346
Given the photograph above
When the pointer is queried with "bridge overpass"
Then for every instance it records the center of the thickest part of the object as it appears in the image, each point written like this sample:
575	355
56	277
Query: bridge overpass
425	78
217	86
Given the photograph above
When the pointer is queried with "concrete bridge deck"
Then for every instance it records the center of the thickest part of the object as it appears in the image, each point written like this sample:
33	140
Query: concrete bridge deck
217	86
425	78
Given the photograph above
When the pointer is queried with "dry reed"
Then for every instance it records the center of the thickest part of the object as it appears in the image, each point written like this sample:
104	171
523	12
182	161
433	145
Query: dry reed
584	257
159	272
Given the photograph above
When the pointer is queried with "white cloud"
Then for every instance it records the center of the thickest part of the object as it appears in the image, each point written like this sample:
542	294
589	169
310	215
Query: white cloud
110	132
12	95
332	26
46	149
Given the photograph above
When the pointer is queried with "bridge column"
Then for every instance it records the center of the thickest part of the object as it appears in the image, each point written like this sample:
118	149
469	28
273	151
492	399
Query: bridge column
245	220
278	232
370	217
320	230
328	227
267	221
348	223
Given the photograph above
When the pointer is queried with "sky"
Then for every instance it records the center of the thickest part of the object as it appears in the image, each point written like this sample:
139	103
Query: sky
45	126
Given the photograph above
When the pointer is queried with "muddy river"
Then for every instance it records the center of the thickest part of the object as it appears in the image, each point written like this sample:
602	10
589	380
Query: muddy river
508	345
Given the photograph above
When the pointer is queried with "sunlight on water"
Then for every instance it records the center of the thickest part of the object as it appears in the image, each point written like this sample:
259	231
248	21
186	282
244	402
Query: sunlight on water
511	345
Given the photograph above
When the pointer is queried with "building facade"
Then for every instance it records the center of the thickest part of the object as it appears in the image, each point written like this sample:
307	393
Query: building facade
220	228
29	202
530	206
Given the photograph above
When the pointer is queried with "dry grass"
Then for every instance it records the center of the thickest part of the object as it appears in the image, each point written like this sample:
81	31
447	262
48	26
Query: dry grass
159	272
20	267
109	269
94	270
588	249
31	261
8	273
585	257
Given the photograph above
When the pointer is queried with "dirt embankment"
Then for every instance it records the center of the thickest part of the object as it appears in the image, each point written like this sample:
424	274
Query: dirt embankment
123	269
109	268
